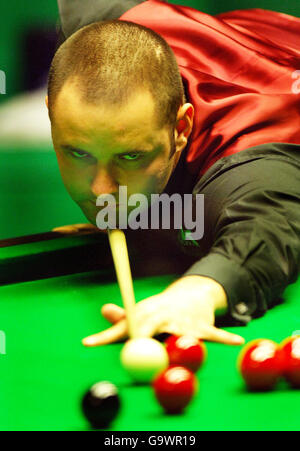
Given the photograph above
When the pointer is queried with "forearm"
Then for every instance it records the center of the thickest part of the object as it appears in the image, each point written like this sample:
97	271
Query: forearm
255	228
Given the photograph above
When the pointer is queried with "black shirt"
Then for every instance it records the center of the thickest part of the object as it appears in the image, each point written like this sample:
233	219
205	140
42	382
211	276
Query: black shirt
251	242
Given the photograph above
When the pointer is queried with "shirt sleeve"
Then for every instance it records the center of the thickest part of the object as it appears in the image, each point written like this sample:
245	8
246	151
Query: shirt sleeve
251	243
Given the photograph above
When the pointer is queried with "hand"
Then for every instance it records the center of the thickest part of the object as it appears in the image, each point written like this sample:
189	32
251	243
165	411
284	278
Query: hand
187	307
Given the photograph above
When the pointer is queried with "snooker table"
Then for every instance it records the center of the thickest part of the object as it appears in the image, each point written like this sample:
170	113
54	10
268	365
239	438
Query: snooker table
50	300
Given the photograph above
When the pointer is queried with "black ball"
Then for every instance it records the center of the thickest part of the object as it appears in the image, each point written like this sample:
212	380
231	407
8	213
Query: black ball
101	404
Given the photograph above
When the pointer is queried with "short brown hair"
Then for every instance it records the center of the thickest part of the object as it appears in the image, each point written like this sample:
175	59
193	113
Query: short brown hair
111	60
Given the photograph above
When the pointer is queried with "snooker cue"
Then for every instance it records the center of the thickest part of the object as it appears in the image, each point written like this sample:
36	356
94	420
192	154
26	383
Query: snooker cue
117	241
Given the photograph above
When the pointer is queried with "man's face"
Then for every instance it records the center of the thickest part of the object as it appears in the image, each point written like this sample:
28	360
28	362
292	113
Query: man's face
99	149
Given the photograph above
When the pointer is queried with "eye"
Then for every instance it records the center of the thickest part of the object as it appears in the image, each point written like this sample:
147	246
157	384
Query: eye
79	154
131	156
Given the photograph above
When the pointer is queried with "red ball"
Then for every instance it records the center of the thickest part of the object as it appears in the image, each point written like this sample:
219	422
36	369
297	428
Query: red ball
260	364
186	351
174	388
290	349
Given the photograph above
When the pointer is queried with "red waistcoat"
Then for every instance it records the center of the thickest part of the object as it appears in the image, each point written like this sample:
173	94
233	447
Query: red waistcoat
242	71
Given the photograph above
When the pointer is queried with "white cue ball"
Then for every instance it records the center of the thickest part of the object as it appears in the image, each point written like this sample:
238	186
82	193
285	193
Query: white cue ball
144	358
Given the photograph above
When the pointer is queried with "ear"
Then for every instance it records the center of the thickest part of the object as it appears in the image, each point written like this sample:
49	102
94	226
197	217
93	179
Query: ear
183	129
46	101
185	120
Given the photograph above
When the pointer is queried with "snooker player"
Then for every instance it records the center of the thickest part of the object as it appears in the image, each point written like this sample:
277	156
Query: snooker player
219	118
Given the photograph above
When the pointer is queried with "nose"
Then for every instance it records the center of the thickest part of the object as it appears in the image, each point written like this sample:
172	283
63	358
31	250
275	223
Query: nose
103	183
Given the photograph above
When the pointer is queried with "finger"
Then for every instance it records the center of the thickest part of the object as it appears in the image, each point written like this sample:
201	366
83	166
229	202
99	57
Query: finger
222	336
113	313
115	333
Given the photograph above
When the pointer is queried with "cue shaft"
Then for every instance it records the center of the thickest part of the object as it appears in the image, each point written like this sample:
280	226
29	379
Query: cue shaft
117	241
